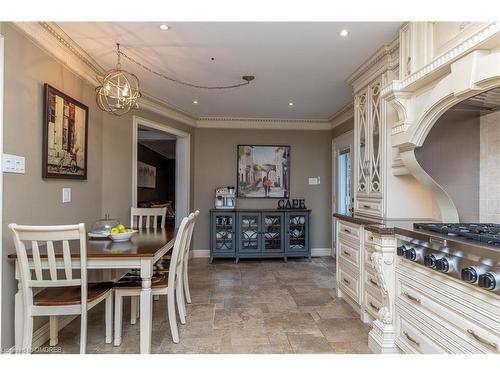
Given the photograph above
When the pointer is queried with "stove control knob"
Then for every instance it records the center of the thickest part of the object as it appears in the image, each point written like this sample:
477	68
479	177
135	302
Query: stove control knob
401	250
469	274
444	265
489	281
411	254
430	261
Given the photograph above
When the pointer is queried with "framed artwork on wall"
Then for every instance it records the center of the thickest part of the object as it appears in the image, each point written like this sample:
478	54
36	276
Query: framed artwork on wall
65	135
263	171
146	175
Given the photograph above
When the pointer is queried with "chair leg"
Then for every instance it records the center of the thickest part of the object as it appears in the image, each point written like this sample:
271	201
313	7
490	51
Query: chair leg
186	283
118	319
27	334
83	332
171	317
180	303
109	319
54	330
133	309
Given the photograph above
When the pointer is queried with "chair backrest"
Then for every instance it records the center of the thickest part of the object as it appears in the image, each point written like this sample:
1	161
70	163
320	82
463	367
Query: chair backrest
147	217
190	232
58	254
178	250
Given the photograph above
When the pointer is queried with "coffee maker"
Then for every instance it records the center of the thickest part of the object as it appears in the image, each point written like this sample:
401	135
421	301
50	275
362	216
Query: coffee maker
225	198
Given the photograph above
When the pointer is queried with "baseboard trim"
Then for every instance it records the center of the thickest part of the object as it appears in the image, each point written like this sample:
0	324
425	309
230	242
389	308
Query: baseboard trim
42	334
315	252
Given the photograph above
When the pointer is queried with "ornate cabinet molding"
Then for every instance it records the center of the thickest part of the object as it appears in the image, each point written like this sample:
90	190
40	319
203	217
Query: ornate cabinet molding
381	338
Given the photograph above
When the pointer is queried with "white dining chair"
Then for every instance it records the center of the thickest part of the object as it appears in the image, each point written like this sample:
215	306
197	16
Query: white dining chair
63	293
164	283
147	217
185	276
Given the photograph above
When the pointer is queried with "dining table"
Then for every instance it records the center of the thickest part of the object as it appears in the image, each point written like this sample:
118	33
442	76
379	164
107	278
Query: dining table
141	252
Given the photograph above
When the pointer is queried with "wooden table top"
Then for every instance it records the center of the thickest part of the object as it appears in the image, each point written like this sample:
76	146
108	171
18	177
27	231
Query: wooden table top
144	244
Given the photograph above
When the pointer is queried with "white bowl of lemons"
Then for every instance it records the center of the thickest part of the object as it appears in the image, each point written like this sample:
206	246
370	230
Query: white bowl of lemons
121	234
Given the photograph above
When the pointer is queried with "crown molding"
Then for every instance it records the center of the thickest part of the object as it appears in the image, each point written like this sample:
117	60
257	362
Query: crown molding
342	115
262	123
56	43
385	58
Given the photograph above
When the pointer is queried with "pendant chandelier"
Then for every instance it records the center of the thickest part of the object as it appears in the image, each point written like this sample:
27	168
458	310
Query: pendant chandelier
119	91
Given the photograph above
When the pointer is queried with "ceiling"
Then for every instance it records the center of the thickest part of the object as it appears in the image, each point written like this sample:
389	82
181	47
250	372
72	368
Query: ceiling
300	62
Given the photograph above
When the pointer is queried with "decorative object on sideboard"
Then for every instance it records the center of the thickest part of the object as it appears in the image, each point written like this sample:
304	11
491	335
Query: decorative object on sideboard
65	133
292	204
119	91
263	171
225	197
146	175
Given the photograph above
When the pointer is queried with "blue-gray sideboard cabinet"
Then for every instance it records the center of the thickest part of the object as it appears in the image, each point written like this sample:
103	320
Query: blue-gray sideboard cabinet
264	233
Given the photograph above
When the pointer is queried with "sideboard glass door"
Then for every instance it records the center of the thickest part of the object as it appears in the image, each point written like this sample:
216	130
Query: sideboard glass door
224	233
272	237
249	226
297	235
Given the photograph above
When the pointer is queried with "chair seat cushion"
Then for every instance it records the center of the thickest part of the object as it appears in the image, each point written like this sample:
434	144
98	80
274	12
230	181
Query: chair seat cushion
65	296
130	281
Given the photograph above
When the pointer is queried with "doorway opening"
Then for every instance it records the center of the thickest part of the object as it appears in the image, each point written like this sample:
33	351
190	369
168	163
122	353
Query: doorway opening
161	169
344	181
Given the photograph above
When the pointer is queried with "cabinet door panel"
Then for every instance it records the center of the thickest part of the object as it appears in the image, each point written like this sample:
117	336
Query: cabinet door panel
363	172
249	232
223	233
272	233
375	137
297	233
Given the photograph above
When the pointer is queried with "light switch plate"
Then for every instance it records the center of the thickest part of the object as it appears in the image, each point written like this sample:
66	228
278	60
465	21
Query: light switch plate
314	180
13	164
66	195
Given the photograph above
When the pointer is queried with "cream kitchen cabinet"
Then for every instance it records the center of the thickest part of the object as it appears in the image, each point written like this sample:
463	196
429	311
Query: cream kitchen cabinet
369	139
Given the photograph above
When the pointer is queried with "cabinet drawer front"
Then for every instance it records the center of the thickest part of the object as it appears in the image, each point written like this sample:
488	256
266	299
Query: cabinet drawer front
349	253
368	207
371	282
372	302
478	338
349	283
351	231
413	340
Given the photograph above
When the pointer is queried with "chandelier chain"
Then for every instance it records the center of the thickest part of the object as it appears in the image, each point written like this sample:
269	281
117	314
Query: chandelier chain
131	59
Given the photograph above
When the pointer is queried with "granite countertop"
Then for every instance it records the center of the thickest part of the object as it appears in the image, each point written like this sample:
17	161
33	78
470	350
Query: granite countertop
384	227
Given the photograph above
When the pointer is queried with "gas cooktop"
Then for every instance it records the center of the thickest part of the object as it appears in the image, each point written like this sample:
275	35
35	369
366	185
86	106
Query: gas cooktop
486	233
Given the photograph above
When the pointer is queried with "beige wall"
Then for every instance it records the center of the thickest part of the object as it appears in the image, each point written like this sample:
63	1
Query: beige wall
28	199
215	165
489	191
450	155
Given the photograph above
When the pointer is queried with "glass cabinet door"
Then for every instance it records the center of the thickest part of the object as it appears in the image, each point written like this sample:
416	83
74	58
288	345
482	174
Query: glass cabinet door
272	232
362	127
297	231
224	239
375	108
249	227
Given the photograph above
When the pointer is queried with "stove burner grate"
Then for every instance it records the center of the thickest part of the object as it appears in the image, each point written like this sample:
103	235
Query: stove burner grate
478	232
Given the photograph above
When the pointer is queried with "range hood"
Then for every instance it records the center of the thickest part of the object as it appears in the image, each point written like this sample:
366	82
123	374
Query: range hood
486	101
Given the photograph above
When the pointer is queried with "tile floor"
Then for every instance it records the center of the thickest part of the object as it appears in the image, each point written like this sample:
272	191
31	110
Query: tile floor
251	307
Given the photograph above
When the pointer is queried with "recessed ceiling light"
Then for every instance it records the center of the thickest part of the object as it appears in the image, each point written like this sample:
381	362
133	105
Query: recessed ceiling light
164	27
290	104
195	101
344	33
